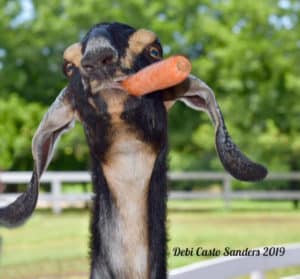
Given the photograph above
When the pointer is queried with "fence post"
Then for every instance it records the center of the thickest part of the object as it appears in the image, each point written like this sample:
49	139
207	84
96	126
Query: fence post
227	191
56	196
257	275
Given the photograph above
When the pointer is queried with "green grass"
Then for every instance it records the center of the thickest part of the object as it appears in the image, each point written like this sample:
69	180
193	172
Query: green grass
51	246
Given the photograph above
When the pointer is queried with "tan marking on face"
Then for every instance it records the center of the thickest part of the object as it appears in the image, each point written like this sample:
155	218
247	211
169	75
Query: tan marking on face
128	169
140	39
136	44
73	54
115	100
95	86
169	104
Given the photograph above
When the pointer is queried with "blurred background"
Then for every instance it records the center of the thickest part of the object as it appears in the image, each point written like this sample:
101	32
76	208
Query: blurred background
247	51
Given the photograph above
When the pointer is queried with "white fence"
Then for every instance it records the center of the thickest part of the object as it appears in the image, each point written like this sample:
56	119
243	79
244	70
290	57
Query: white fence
56	197
218	268
232	267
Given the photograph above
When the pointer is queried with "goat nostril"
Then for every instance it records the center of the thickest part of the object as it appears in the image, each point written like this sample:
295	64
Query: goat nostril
102	58
108	60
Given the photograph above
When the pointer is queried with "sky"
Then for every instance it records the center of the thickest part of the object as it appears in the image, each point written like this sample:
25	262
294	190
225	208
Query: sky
27	13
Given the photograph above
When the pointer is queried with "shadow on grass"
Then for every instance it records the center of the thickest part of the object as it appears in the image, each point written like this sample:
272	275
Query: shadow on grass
261	206
69	210
205	206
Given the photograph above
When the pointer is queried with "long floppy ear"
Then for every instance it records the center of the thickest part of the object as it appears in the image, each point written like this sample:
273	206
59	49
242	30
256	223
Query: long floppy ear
197	95
58	119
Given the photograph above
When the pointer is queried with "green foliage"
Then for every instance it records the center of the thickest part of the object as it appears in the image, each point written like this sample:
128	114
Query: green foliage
247	51
18	123
19	120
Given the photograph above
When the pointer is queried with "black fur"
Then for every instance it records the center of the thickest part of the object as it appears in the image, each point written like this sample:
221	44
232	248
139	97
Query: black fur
149	117
96	123
103	212
157	200
96	126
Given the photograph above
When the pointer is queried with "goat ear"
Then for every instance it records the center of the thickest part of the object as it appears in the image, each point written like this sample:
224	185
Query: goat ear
72	58
197	95
57	120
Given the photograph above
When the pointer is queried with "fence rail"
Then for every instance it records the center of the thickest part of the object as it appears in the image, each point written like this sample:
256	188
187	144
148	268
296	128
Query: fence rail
231	267
56	179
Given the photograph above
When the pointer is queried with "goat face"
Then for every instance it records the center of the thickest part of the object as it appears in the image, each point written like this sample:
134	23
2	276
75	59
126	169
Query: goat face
117	48
106	54
109	52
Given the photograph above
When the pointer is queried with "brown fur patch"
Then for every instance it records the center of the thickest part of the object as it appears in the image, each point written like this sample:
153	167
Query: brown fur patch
95	86
73	54
115	100
140	39
169	104
136	44
128	169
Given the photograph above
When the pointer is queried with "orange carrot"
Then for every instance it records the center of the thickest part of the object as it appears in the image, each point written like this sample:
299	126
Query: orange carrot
157	76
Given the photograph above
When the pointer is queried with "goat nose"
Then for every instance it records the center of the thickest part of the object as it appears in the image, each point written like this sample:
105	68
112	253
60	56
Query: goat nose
101	58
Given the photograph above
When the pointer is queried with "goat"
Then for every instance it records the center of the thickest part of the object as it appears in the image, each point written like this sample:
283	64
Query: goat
127	138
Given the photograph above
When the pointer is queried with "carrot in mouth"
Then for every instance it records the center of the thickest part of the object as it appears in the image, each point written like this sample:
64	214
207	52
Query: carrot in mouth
161	75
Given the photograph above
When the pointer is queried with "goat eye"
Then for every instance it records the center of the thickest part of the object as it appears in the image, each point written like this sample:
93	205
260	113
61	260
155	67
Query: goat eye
154	52
68	68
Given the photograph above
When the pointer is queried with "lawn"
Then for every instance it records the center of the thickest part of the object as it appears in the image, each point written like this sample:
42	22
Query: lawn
50	246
